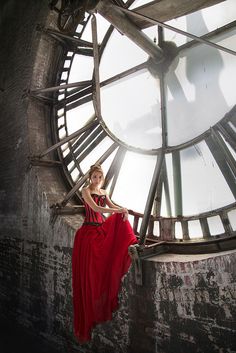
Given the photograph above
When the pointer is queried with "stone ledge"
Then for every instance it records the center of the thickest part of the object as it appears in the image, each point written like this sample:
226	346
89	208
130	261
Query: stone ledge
187	258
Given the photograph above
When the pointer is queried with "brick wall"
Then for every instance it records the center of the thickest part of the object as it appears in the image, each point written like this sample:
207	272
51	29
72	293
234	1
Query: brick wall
190	304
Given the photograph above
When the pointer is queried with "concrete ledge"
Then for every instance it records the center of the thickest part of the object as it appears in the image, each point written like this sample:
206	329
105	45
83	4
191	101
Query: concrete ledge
187	258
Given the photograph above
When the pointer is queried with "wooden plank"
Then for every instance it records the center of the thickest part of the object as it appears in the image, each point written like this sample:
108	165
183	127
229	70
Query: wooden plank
166	10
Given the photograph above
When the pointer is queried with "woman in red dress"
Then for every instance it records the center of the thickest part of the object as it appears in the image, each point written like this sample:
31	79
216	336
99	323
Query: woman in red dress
100	257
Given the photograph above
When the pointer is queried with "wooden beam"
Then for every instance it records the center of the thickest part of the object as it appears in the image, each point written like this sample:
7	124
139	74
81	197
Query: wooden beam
126	26
166	10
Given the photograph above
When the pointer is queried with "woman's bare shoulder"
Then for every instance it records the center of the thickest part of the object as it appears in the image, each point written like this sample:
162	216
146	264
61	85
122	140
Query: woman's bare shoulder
103	191
85	190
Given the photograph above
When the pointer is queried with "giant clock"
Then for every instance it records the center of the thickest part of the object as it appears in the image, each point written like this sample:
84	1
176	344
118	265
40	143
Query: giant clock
149	94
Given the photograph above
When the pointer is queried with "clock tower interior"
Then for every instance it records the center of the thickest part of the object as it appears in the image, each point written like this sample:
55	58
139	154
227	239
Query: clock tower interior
146	89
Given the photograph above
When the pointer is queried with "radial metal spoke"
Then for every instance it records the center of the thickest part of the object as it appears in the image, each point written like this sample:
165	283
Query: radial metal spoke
86	148
80	145
114	170
91	146
68	138
96	93
223	147
79	85
77	41
124	74
77	103
228	133
150	198
209	35
156	210
223	159
177	183
177	30
88	91
167	189
85	176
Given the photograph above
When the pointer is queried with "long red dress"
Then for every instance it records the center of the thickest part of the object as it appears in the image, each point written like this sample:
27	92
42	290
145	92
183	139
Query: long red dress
99	261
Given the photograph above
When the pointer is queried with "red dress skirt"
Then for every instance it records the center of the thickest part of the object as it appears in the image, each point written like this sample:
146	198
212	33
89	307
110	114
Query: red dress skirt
99	261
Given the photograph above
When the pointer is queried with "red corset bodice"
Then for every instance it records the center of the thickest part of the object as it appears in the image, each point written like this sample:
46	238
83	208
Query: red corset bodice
92	217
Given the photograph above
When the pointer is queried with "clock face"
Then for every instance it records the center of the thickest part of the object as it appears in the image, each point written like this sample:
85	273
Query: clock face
160	104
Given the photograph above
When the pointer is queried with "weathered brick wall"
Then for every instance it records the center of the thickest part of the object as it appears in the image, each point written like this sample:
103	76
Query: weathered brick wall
15	70
190	305
35	254
182	306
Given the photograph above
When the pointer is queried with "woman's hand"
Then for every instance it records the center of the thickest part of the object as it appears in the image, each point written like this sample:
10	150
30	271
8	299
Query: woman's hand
125	214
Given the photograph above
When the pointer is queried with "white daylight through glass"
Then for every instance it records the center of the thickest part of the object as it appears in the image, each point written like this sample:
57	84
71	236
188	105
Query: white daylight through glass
182	107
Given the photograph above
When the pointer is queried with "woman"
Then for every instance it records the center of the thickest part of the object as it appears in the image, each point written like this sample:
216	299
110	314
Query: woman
100	257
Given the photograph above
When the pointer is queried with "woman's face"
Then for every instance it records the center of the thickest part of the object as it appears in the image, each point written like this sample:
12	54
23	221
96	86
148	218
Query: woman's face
96	179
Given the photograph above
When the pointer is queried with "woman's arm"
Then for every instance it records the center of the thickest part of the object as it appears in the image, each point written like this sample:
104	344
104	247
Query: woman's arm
89	200
111	204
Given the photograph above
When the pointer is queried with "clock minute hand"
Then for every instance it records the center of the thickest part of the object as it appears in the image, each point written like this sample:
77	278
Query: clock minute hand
125	25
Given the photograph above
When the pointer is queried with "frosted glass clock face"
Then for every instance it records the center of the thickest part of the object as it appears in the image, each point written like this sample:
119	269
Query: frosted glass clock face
148	108
202	72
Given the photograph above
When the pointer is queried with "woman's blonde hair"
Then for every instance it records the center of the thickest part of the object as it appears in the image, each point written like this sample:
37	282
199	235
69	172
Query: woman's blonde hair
95	168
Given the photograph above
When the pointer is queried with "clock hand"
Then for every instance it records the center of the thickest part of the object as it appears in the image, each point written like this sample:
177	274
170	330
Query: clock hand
125	25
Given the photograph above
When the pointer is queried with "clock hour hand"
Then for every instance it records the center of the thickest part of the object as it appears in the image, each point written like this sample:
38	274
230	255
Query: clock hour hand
126	26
